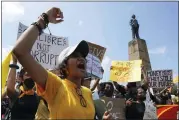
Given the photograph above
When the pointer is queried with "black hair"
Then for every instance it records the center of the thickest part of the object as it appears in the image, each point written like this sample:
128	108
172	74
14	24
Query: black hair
29	83
21	73
131	84
102	86
112	87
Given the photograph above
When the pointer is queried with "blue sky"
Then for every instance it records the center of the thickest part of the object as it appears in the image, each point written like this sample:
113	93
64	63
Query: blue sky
106	24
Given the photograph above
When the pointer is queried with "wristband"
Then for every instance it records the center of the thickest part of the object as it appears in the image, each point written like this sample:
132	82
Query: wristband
14	66
38	26
44	17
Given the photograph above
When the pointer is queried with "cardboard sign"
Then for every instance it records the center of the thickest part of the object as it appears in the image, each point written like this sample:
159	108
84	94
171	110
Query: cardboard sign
100	108
46	48
94	66
116	107
97	50
126	71
160	78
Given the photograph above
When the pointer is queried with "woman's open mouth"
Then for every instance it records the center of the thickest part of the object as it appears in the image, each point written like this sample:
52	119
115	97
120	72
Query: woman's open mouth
81	66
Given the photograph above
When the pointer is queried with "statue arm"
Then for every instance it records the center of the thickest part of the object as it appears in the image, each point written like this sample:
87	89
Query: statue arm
130	23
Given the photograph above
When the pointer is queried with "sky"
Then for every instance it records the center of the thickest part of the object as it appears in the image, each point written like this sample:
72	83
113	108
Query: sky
106	24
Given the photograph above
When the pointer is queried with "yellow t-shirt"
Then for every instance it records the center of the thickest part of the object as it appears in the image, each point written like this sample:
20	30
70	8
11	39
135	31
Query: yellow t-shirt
64	102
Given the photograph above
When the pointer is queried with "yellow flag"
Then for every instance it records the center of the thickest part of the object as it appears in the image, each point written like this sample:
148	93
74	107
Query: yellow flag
126	71
5	69
175	80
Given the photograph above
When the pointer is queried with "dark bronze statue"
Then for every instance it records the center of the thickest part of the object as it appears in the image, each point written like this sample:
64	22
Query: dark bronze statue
135	27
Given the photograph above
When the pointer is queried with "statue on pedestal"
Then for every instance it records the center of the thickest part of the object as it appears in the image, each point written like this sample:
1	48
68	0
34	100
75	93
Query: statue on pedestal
135	27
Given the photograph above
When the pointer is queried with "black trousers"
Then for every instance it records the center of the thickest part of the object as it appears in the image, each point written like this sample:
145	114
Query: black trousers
135	32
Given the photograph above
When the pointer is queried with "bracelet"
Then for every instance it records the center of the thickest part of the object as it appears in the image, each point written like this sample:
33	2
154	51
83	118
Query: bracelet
14	66
38	26
44	17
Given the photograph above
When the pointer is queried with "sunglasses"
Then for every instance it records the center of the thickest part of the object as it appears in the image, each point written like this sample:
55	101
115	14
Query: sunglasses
82	100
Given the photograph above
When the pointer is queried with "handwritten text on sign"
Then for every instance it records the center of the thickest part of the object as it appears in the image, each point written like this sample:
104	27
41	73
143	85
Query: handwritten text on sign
97	50
160	78
126	71
94	66
46	48
116	107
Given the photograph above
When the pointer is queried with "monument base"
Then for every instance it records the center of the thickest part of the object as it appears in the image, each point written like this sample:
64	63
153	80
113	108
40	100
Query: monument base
137	50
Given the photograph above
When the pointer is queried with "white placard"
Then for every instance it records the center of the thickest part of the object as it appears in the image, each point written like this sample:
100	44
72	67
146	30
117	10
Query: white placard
46	48
94	66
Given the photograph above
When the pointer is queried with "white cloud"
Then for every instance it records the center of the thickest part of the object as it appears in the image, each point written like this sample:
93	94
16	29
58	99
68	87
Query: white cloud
12	11
159	50
80	22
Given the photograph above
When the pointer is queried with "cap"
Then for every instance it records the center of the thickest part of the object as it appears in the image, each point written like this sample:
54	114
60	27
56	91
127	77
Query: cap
82	48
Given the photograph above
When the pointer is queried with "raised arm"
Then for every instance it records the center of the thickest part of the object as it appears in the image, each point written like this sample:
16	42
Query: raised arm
11	79
26	41
146	83
95	84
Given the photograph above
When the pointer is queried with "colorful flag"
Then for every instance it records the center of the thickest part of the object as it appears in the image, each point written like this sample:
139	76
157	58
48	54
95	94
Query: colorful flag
175	80
5	69
167	112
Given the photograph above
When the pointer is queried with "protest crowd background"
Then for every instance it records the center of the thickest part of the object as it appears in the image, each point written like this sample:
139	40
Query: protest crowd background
38	82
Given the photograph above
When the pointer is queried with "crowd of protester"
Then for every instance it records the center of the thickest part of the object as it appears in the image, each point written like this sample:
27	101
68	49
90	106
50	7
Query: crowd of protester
64	92
20	101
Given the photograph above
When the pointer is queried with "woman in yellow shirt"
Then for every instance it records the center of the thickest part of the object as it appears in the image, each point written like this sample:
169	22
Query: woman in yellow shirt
66	98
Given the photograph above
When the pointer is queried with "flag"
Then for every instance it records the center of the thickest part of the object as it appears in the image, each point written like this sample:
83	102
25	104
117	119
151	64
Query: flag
5	69
175	80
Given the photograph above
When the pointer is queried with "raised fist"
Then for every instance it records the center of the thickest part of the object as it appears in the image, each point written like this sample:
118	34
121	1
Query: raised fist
54	15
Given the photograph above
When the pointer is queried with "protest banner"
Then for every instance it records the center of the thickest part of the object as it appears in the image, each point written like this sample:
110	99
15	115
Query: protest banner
97	50
160	78
46	48
167	112
100	108
116	107
150	109
126	71
93	66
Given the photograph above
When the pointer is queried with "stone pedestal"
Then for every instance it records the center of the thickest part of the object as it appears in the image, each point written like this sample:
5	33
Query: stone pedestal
137	49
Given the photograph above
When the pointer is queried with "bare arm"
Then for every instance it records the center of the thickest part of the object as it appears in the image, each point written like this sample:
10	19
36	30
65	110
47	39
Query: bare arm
24	45
146	83
95	84
22	51
11	80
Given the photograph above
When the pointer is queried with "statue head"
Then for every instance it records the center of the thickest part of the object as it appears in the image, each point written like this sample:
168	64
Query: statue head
133	16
